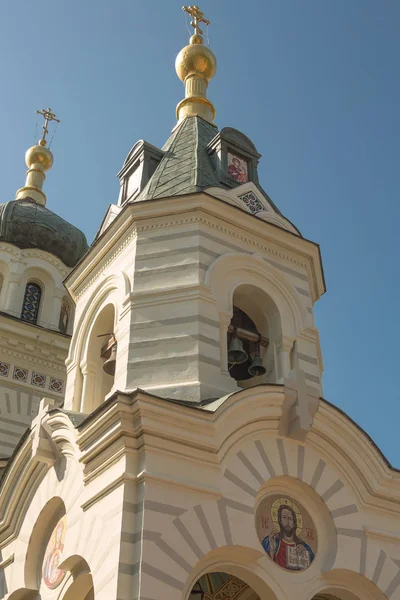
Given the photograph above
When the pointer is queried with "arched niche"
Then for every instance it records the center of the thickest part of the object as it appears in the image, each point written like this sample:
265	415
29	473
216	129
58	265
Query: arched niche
65	320
96	382
261	317
50	515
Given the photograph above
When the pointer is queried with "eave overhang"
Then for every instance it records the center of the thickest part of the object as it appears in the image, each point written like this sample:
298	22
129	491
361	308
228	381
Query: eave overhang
200	203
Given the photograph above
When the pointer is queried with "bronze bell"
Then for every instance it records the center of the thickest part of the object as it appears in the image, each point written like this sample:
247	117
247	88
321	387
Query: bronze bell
109	364
257	368
236	353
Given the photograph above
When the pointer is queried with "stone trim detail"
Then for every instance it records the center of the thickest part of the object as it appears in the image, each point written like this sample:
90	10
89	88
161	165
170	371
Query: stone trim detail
4	369
31	378
192	220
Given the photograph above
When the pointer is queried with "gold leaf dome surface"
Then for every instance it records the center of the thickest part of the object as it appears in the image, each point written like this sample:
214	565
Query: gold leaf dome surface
196	59
39	154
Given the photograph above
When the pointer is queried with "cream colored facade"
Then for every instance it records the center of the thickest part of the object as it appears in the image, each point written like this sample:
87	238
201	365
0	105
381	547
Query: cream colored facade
32	357
157	474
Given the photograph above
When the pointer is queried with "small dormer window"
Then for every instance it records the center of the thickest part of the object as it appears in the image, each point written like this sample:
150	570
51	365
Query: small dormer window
237	168
234	158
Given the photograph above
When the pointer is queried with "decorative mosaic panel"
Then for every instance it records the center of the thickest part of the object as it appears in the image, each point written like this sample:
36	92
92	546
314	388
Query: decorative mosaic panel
20	374
287	532
252	202
4	369
237	168
38	379
52	575
30	307
56	385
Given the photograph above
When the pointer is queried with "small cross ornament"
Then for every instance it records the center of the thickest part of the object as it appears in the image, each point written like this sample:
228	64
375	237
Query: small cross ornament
48	116
197	16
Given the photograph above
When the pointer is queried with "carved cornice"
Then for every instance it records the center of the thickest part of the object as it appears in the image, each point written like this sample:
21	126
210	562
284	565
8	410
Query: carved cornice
21	253
36	352
197	219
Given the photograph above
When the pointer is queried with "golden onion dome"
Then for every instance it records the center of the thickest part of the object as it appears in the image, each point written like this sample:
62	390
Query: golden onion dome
39	155
196	59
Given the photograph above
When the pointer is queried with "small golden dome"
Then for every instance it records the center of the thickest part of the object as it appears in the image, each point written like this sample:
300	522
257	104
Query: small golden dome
196	59
39	154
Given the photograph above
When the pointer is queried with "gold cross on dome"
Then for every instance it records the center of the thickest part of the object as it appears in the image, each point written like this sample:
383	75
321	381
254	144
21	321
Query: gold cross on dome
197	16
48	116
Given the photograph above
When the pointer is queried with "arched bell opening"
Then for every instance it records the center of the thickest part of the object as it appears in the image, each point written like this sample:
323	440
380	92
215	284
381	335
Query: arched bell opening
98	366
217	585
252	333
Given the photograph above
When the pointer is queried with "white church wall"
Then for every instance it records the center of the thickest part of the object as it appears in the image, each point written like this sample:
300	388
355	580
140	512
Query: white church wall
172	321
176	490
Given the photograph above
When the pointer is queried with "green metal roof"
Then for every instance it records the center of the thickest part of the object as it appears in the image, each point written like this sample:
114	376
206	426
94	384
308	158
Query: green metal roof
186	166
30	225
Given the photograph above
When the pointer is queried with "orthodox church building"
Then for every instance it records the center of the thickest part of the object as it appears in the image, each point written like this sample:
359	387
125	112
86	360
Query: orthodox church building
163	431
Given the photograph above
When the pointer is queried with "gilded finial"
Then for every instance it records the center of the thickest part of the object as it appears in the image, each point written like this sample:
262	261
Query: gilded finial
198	17
39	159
196	65
48	116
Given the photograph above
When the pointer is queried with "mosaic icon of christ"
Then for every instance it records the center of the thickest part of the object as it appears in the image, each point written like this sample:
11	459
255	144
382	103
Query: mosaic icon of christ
285	547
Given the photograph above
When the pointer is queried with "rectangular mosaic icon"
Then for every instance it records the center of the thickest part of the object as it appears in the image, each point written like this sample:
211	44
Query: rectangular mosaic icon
20	374
56	385
38	379
4	369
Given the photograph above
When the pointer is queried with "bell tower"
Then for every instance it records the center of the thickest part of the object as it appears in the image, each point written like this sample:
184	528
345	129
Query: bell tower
197	285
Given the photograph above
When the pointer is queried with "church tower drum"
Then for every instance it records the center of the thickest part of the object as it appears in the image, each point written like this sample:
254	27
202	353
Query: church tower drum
194	260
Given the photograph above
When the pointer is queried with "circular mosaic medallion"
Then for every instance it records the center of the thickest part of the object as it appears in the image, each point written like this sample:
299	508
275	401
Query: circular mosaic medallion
52	575
287	532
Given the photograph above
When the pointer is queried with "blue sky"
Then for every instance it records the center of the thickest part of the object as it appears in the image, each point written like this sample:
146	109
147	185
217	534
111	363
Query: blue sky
314	83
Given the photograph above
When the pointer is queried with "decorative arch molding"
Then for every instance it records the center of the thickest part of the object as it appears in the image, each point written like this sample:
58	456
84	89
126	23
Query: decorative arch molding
359	462
258	462
50	513
26	474
62	485
24	594
342	584
240	562
106	290
229	271
77	586
31	256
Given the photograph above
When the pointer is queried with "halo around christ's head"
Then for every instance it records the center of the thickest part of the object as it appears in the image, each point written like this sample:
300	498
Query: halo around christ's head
286	502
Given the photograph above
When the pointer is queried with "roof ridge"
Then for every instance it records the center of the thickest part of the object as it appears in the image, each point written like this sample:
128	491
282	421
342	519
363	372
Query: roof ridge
196	156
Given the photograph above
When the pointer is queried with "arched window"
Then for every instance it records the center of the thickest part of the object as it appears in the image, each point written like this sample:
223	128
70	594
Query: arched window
30	307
